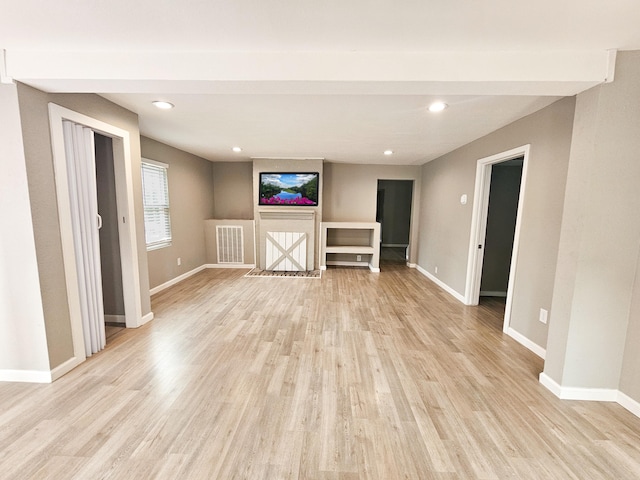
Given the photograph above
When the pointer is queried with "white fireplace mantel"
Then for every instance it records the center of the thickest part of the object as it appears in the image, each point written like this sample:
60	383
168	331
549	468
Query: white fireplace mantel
292	215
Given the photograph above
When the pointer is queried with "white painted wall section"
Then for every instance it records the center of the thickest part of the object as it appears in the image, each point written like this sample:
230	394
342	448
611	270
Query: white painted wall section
23	342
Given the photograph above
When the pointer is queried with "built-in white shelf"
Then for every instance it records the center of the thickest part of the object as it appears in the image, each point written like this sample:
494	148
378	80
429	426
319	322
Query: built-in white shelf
347	240
350	249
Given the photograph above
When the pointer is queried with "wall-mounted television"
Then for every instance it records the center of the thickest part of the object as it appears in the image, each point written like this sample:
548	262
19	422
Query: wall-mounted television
290	189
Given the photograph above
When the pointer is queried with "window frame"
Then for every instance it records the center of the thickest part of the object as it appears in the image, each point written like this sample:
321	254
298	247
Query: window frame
165	207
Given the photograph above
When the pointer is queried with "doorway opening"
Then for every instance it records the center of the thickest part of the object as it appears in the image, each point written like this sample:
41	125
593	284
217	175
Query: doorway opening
504	189
393	212
110	260
126	232
495	228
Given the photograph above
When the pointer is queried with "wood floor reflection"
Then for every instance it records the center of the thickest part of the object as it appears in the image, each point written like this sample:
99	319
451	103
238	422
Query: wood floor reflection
354	376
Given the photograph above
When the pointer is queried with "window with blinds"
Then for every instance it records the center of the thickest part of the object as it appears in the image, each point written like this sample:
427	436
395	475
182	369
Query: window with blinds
155	197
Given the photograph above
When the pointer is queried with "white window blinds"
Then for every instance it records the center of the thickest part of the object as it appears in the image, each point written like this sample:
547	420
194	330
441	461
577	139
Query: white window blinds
155	196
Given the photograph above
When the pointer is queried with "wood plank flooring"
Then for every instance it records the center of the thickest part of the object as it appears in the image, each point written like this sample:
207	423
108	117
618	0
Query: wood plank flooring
354	376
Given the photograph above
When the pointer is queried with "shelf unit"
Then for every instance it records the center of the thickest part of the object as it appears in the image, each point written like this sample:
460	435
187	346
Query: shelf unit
336	238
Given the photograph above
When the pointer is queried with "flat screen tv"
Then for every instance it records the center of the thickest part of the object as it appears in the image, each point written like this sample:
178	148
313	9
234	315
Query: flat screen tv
290	189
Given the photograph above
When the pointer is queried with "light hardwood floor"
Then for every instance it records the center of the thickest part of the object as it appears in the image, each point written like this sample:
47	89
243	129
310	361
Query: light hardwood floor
356	375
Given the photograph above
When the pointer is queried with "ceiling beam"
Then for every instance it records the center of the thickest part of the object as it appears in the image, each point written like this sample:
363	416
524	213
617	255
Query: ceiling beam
460	73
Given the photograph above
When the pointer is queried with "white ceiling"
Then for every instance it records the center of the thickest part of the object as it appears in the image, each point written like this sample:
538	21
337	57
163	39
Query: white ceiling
343	80
341	128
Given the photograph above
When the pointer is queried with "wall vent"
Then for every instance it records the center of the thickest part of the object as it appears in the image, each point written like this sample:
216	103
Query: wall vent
230	242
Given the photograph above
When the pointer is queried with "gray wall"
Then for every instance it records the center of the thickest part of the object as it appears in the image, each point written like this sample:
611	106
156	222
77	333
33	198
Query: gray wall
39	161
110	261
351	192
630	377
446	224
191	203
396	212
595	302
233	190
501	225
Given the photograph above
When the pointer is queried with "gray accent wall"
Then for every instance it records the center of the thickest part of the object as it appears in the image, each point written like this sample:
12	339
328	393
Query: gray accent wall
351	193
42	192
593	340
233	190
445	224
191	203
630	376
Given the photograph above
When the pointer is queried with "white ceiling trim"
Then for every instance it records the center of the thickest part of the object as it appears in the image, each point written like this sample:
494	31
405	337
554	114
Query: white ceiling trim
461	73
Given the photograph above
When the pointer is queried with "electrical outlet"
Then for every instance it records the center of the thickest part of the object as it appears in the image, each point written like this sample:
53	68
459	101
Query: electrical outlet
436	269
544	315
358	258
179	261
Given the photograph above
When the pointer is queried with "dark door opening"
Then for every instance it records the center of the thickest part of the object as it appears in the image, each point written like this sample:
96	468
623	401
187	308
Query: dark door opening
504	192
110	262
394	214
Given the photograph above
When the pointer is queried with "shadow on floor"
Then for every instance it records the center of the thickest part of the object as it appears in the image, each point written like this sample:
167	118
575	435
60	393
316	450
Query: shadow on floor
393	255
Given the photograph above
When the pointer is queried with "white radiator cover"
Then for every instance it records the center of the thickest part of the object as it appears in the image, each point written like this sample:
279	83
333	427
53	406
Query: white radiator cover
230	242
286	251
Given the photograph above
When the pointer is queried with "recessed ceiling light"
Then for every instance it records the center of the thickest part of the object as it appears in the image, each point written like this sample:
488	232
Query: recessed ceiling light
388	152
236	149
163	105
437	106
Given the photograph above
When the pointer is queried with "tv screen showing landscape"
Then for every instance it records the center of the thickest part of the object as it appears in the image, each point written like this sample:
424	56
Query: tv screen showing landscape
291	189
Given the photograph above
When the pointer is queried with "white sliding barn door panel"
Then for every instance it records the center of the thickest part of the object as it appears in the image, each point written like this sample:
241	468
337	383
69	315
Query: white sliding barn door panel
81	172
286	251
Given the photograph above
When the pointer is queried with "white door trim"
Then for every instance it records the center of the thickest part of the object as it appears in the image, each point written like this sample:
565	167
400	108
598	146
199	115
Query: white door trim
479	227
126	217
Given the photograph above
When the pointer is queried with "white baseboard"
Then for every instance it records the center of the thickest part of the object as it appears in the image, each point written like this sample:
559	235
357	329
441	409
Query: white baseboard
411	265
550	384
589	394
230	265
115	319
441	284
579	393
36	376
146	318
344	263
493	294
186	275
629	403
27	376
65	367
178	279
522	340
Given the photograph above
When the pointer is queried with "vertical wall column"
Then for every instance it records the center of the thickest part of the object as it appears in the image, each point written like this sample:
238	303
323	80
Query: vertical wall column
277	218
600	237
23	343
